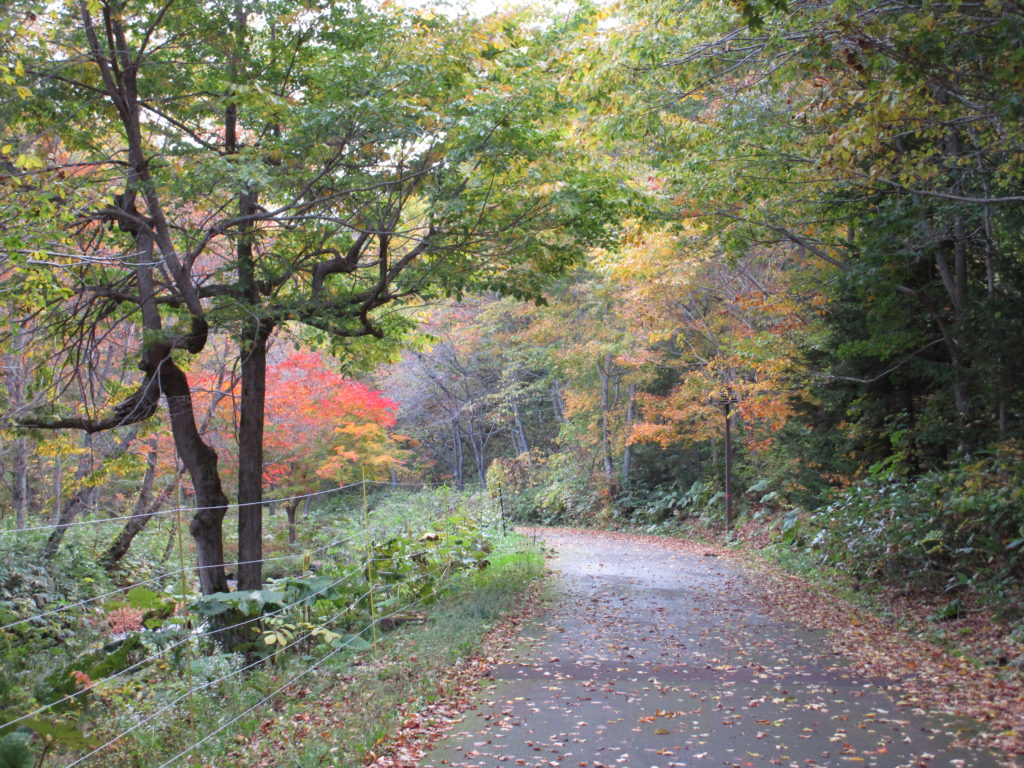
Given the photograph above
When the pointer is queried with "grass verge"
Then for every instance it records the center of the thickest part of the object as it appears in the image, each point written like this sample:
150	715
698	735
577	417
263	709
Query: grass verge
343	717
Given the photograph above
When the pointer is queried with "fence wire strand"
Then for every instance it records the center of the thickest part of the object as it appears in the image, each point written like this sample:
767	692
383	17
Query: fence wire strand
185	640
292	680
177	572
189	569
311	633
174	510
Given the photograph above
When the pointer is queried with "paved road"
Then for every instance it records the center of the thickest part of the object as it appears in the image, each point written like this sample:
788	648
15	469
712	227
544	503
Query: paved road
655	655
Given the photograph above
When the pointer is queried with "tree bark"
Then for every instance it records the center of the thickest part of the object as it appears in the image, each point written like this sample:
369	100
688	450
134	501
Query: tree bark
728	465
557	402
292	509
478	443
458	459
206	526
522	446
252	356
21	494
627	452
250	456
604	373
145	508
80	500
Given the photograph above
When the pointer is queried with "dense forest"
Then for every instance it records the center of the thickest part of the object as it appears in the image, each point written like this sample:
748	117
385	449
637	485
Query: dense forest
272	271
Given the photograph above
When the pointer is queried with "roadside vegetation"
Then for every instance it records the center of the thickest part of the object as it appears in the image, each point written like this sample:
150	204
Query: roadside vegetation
747	270
139	675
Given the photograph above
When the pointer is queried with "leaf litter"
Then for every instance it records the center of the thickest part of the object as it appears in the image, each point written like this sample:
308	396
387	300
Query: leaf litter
619	655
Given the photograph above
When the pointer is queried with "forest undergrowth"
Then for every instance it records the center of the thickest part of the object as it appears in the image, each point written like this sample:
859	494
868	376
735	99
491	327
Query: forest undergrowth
383	595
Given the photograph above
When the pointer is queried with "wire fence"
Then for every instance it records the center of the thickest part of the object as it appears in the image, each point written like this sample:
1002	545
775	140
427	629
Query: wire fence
165	575
195	636
360	542
295	678
175	510
169	574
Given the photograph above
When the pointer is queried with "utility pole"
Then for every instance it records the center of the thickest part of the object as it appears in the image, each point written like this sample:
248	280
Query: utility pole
727	409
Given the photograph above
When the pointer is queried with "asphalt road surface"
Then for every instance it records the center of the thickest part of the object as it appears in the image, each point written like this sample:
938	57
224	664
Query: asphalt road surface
657	656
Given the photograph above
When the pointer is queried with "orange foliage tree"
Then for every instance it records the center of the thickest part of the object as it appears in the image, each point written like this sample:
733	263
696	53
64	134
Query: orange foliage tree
321	426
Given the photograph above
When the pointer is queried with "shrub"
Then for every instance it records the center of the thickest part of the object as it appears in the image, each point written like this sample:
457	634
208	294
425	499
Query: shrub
957	529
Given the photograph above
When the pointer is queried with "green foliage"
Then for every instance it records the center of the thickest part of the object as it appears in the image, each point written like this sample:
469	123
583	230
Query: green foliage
955	530
16	752
838	142
563	493
669	502
411	562
32	648
247	603
389	564
412	662
278	634
419	564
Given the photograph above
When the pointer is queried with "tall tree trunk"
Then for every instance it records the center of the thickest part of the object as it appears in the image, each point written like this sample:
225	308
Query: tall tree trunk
252	353
21	494
58	495
477	443
250	456
604	373
728	465
627	452
955	282
522	446
458	458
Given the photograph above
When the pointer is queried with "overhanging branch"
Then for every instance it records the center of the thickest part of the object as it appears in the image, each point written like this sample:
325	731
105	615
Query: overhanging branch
139	406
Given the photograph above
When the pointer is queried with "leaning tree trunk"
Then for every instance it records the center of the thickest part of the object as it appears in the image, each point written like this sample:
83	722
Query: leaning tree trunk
145	508
79	502
200	460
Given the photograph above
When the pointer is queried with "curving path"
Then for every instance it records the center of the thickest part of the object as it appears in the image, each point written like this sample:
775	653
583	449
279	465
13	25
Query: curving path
656	655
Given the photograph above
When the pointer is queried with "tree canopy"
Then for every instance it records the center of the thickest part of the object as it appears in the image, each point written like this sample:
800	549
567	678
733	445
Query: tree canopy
190	169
